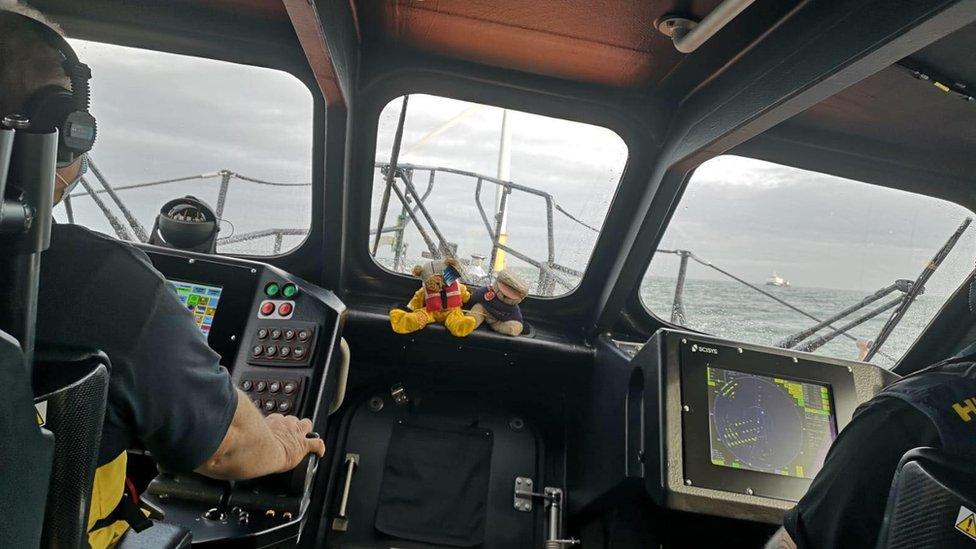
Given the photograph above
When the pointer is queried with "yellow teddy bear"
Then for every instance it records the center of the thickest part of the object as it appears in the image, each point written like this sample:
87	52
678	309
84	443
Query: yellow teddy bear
437	300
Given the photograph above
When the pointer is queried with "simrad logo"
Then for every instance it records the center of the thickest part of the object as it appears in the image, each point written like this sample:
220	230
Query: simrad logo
696	348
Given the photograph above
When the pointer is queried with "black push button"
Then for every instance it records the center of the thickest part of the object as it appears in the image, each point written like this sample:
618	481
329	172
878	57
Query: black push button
274	386
263	333
269	405
276	334
298	353
285	351
290	387
303	335
247	385
284	406
271	350
257	350
260	386
257	402
289	334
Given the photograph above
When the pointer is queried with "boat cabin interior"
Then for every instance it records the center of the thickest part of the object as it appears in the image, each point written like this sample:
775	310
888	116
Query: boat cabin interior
679	243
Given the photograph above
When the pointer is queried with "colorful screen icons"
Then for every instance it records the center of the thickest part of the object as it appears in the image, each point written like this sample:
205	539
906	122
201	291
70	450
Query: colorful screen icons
201	300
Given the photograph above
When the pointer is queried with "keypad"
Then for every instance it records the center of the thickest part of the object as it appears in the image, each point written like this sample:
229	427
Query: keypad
283	344
272	395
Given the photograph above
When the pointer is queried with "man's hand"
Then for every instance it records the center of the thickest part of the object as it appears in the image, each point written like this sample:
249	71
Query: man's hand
255	446
290	432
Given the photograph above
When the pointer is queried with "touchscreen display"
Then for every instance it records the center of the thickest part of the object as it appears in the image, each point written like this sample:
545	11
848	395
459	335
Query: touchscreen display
201	300
769	424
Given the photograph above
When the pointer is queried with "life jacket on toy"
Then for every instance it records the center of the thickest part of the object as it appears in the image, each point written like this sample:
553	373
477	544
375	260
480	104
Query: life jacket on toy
447	298
946	393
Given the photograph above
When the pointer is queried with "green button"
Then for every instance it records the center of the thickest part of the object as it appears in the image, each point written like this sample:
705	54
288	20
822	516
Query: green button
289	291
271	289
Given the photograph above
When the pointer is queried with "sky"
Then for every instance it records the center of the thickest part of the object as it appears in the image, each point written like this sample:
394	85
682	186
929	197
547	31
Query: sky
164	116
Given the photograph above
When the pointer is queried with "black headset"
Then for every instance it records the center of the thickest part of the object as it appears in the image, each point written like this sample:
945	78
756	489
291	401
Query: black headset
55	107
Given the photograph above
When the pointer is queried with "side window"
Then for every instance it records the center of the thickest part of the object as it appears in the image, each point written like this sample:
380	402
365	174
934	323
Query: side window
235	136
494	188
775	255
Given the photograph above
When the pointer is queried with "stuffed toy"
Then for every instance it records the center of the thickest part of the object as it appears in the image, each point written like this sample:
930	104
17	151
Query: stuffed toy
438	300
498	304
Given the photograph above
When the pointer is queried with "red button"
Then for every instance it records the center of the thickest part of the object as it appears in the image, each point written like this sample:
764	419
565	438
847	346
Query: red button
267	308
284	309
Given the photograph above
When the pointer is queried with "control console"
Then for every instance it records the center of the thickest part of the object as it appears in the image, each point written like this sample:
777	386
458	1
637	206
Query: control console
278	336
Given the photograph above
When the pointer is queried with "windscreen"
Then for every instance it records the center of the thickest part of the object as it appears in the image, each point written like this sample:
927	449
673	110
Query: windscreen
779	256
201	300
769	424
237	137
494	188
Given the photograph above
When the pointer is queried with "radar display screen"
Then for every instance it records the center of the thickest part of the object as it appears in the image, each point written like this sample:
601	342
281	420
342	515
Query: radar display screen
769	424
201	300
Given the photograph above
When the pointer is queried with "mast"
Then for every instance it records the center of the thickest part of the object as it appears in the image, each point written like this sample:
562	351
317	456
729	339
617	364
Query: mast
505	174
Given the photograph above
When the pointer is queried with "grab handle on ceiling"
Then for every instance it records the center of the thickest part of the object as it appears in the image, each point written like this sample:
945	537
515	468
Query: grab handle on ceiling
687	35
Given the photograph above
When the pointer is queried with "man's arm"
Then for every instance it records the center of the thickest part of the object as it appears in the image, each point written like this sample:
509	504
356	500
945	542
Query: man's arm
255	446
781	540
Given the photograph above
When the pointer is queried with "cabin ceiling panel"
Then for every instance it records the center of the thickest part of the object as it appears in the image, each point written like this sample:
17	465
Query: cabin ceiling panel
604	42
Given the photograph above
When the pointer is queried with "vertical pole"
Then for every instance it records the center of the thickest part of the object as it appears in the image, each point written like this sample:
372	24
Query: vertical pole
31	166
398	251
496	237
678	306
68	209
501	205
222	195
390	174
277	243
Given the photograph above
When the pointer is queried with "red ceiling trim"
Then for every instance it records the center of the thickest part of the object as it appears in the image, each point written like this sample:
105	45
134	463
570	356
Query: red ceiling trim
305	18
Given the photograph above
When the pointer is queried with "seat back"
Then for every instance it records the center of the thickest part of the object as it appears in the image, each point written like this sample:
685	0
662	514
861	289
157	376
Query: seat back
72	385
25	453
931	503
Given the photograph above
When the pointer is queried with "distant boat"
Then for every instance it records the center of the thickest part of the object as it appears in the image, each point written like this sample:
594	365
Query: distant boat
776	280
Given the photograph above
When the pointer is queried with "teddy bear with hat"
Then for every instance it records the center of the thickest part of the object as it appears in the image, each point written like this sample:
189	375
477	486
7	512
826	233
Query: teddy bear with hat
438	300
498	304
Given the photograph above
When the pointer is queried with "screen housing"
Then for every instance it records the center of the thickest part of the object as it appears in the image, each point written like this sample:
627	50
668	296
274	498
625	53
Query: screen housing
239	284
698	469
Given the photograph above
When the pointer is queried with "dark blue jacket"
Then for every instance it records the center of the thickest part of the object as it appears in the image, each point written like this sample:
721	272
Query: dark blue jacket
946	393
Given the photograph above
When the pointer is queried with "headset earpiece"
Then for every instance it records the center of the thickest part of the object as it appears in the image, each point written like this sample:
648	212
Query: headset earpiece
55	107
48	107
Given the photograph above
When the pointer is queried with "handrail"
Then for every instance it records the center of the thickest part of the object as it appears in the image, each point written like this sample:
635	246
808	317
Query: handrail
413	203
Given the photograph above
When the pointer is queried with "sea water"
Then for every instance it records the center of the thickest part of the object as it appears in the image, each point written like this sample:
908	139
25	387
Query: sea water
732	310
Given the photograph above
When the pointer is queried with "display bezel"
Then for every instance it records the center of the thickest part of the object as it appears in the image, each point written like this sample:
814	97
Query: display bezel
698	468
238	283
